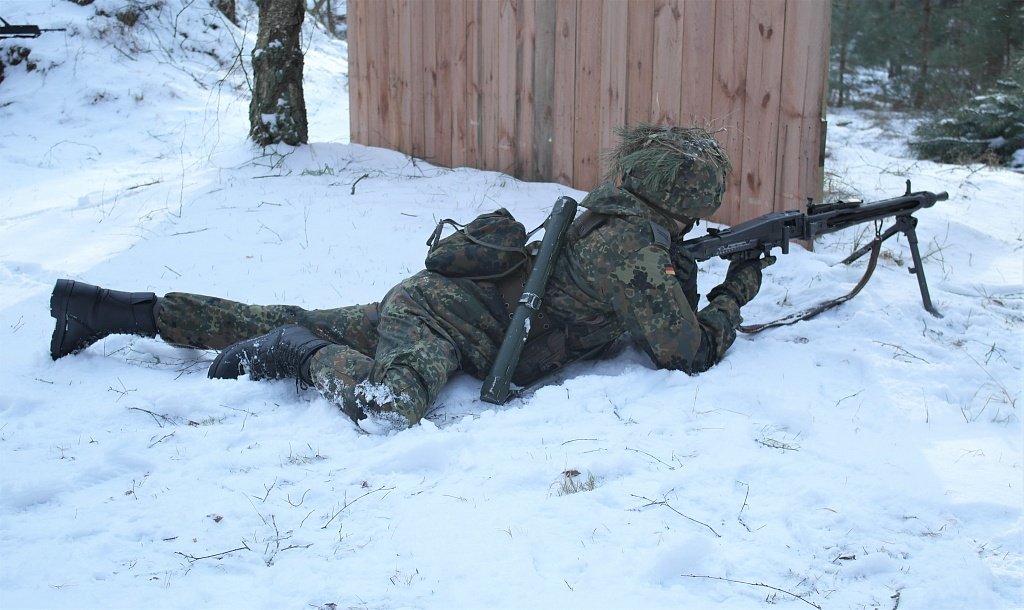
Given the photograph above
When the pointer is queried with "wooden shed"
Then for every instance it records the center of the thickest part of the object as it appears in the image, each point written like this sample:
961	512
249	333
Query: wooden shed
536	88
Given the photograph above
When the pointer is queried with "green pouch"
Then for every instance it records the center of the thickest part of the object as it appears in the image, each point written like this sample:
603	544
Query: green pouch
490	247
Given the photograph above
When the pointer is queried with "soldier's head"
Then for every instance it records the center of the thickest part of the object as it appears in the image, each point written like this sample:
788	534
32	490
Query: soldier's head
679	171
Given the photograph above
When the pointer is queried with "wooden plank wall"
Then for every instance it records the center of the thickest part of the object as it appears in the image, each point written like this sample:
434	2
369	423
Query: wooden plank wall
536	88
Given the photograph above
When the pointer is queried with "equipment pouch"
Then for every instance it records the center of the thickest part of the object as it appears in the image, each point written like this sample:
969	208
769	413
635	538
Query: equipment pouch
491	246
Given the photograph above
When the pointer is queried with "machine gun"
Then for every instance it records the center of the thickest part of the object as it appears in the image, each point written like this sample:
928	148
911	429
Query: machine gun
23	31
759	236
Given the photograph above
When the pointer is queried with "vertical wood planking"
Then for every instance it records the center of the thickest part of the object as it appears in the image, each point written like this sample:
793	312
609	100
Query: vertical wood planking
428	66
378	59
587	116
668	65
474	85
405	76
414	66
565	93
614	47
537	87
489	65
443	110
459	81
526	44
792	151
392	135
356	73
803	88
505	155
698	74
640	61
543	73
729	93
814	108
761	110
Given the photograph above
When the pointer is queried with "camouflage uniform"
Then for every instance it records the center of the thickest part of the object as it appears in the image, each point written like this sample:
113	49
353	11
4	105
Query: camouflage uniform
618	278
622	271
400	351
626	276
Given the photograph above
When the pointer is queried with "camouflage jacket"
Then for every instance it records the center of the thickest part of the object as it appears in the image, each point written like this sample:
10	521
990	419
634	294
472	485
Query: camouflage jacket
624	273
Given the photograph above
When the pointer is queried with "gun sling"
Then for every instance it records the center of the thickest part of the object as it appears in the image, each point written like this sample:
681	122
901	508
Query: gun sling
807	314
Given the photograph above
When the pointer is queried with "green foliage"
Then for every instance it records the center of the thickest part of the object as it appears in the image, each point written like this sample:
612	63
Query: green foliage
660	151
987	129
921	54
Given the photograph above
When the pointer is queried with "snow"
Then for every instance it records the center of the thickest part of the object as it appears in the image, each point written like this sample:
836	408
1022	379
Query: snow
869	458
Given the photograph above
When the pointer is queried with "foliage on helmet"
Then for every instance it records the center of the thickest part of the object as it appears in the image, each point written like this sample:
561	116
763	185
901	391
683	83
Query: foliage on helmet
680	170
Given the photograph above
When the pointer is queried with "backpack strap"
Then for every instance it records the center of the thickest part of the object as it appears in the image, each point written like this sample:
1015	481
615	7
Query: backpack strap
586	224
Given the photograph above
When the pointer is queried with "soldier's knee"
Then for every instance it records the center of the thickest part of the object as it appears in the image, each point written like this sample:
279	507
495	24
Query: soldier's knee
402	391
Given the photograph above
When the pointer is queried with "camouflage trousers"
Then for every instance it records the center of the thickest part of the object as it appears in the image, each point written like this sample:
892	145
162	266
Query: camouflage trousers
391	356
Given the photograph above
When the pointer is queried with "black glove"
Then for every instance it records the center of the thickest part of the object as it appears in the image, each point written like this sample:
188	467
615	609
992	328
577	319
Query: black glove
742	281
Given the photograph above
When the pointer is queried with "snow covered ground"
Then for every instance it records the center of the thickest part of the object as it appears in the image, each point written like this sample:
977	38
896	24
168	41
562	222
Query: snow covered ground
869	458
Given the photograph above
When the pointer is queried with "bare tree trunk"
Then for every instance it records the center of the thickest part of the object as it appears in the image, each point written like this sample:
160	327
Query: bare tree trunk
895	64
227	7
921	86
843	44
277	112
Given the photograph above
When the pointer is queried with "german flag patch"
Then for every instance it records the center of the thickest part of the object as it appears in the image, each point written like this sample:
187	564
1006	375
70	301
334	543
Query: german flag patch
669	269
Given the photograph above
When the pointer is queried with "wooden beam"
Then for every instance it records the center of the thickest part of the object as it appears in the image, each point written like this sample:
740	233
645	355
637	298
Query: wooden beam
587	114
765	49
668	64
696	84
563	130
543	91
729	94
614	73
639	62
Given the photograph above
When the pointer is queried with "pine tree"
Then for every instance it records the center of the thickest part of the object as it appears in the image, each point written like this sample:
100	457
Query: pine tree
932	53
988	129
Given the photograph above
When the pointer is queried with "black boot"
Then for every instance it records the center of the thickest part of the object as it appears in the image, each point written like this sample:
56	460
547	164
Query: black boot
280	354
85	314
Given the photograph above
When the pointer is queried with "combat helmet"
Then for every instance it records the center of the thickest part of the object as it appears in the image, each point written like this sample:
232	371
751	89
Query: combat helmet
680	171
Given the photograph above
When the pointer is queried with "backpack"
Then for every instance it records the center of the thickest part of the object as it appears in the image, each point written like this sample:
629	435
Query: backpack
491	246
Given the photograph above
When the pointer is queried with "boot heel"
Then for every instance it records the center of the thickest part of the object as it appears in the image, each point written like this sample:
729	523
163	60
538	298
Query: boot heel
86	313
59	311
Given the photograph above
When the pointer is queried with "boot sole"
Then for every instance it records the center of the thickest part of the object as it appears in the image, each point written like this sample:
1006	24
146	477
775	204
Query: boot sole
59	311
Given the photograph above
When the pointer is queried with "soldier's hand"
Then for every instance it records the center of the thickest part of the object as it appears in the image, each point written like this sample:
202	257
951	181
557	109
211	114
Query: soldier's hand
743	280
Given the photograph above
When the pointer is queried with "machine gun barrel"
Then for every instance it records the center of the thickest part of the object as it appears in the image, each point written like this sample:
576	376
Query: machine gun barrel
832	217
23	31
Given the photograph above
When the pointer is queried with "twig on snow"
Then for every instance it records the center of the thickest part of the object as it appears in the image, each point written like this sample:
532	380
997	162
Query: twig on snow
158	417
357	182
192	558
755	584
347	504
665	503
670	466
